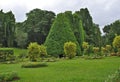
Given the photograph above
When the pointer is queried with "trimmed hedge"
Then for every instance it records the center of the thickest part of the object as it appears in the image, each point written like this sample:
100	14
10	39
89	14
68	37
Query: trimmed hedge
59	34
8	76
6	54
33	65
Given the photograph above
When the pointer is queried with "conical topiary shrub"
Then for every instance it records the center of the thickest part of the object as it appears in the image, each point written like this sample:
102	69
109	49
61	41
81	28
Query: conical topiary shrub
60	33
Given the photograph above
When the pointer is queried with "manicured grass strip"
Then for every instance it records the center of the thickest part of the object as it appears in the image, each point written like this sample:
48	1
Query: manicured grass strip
75	70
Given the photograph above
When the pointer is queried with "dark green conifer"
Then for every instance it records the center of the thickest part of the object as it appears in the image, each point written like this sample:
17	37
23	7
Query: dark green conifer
59	34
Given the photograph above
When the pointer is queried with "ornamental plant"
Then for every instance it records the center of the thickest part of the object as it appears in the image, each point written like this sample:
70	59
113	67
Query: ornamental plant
70	49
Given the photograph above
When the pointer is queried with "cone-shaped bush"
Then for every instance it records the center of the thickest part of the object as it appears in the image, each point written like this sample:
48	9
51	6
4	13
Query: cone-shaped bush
59	34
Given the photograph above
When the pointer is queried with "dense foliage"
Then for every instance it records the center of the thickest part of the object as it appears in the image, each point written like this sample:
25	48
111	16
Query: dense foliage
77	27
36	51
8	76
33	51
7	28
6	54
110	32
42	51
116	42
92	31
59	34
35	28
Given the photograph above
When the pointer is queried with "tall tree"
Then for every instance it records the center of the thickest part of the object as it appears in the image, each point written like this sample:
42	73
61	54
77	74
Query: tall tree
59	34
38	24
88	25
1	27
78	29
76	26
7	28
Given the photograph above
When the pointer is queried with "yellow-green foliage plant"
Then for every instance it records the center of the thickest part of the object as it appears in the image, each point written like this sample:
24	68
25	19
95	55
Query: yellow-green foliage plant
116	43
108	48
33	51
85	46
96	50
104	51
43	51
70	49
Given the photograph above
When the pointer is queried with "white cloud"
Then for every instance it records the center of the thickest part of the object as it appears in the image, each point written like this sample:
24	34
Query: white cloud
102	11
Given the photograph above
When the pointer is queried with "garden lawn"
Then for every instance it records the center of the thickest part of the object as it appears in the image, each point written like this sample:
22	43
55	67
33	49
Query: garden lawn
75	70
18	51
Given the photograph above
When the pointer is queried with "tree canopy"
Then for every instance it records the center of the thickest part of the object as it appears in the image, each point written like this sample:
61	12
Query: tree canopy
7	28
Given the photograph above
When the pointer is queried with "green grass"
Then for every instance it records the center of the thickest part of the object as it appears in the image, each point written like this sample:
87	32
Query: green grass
19	51
75	70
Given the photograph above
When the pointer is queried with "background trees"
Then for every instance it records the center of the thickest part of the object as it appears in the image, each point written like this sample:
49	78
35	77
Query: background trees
110	32
7	28
38	24
35	28
89	27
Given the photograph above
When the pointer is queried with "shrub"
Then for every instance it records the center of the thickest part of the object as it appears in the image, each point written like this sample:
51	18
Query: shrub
33	65
85	45
104	51
33	51
96	51
113	54
22	55
43	51
116	42
108	48
8	76
86	48
6	54
60	33
118	53
70	49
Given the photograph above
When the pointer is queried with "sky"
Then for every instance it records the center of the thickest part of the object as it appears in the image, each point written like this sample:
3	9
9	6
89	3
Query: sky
103	12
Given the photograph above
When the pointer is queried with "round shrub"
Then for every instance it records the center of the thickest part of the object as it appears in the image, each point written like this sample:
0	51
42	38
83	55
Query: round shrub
33	65
70	49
